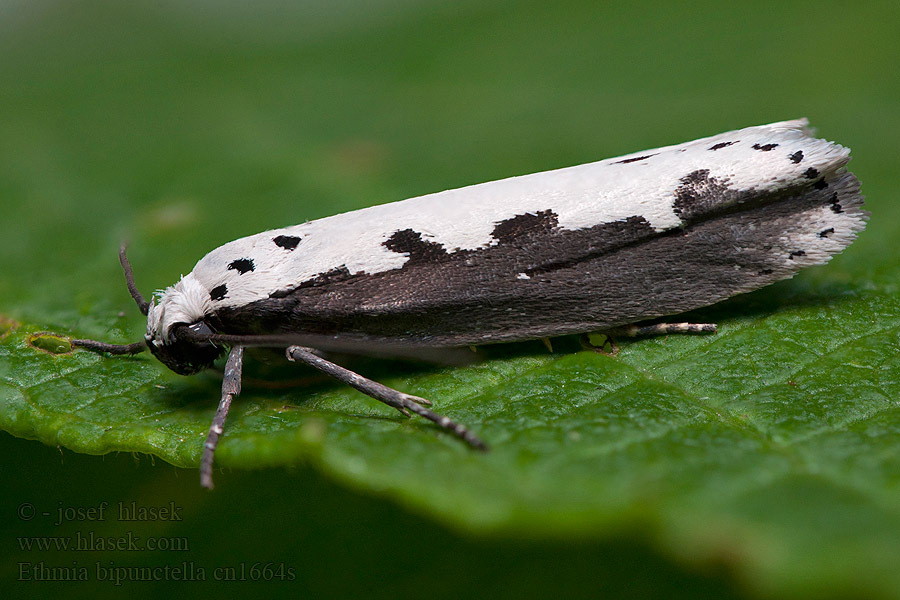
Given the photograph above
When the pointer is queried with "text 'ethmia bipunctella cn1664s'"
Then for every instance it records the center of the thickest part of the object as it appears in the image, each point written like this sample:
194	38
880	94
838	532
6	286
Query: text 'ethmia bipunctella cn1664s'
590	248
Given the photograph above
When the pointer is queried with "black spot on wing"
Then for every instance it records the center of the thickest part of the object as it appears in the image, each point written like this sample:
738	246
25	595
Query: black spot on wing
764	147
242	265
419	250
826	232
528	224
288	242
699	194
811	173
631	160
796	253
820	184
796	157
836	204
218	292
721	145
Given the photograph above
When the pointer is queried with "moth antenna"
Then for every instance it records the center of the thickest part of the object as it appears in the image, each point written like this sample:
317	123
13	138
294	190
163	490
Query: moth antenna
143	305
231	387
95	346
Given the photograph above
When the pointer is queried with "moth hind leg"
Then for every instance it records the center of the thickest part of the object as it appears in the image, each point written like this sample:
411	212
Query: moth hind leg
633	331
662	329
405	403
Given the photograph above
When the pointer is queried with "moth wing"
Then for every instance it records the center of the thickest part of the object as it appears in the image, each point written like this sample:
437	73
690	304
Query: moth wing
577	249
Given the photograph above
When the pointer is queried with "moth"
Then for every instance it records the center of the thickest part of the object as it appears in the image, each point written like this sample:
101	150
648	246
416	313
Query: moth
588	248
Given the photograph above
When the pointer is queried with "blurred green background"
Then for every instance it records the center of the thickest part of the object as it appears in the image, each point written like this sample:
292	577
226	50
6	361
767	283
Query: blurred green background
183	125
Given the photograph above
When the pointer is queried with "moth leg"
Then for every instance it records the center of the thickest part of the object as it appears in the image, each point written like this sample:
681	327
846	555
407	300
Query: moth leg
231	387
662	329
633	331
405	403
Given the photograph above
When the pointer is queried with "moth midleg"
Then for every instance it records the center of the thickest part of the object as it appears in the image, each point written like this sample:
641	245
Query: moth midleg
231	387
405	403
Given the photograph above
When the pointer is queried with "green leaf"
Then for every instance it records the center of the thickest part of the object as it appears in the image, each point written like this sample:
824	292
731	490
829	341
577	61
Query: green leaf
774	438
769	448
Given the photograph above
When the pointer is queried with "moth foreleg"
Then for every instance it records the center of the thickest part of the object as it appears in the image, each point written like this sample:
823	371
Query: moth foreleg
405	403
231	387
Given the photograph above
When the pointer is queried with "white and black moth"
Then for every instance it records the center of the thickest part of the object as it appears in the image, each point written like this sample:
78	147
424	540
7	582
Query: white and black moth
581	249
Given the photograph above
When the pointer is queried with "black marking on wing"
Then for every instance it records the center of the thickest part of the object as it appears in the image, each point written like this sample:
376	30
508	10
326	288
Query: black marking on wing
836	204
826	232
335	275
419	250
721	145
796	253
701	194
580	280
242	265
796	157
288	242
764	147
811	173
529	224
218	292
821	184
631	160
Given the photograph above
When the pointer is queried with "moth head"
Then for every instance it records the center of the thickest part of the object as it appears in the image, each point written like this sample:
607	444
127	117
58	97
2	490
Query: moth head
177	334
177	331
186	349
